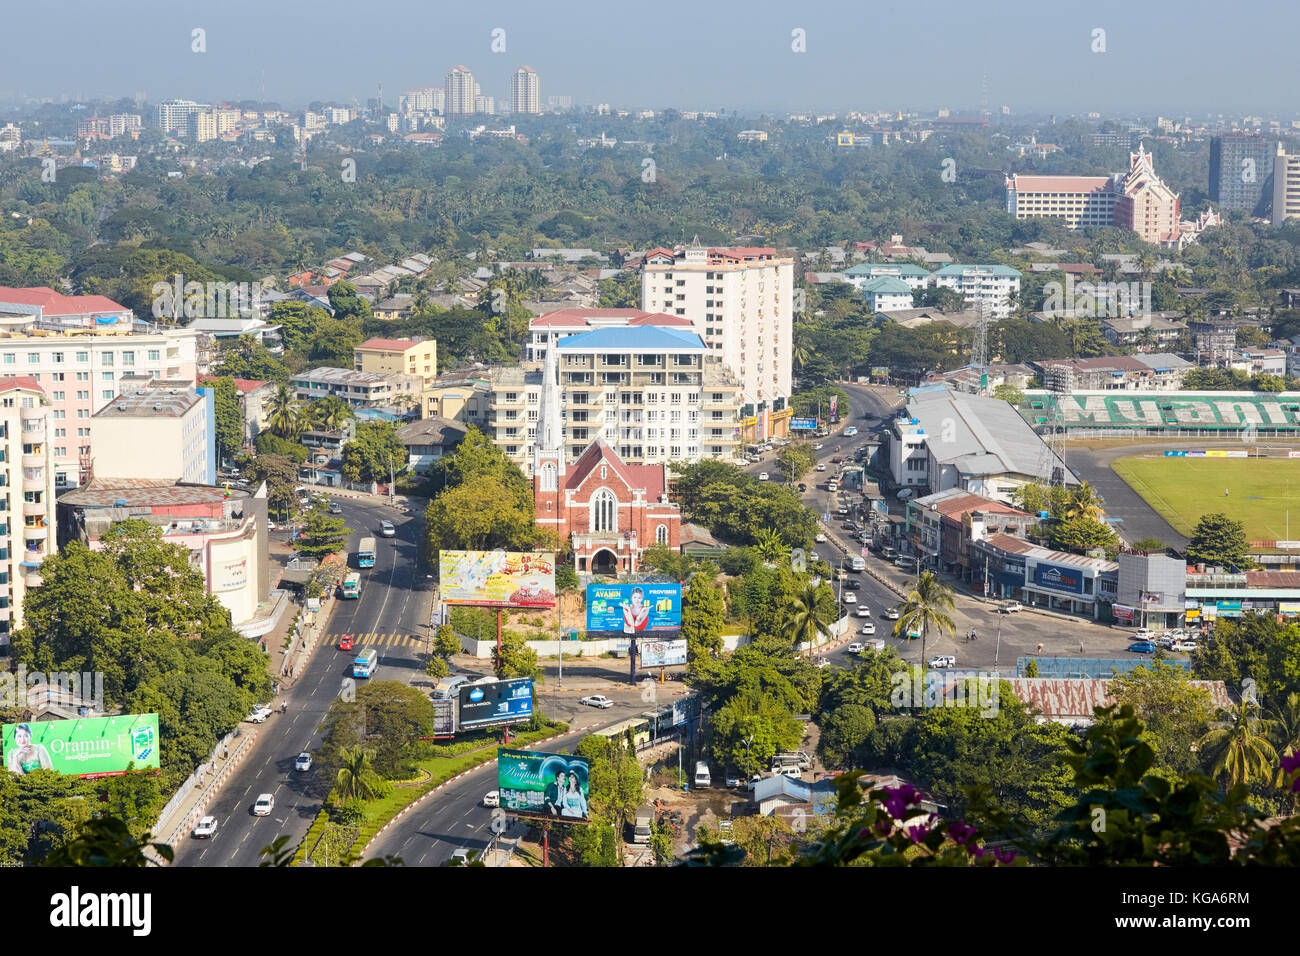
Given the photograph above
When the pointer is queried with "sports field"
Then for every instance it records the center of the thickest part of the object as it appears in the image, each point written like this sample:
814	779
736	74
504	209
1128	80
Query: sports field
1260	491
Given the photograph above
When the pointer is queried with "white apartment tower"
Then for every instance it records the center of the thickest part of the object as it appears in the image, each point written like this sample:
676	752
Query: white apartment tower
740	301
27	531
460	90
525	91
1286	186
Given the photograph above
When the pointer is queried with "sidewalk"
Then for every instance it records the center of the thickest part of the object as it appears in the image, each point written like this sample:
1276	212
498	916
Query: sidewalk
176	825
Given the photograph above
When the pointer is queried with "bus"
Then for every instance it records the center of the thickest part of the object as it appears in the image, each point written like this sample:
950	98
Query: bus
351	585
366	553
641	728
365	663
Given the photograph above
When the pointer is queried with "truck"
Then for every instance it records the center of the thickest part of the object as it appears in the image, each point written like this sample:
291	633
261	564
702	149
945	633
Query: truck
642	823
796	757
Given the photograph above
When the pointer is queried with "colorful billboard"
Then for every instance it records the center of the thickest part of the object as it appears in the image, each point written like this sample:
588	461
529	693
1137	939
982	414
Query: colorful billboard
543	784
634	608
803	424
662	653
1058	578
503	702
497	578
89	747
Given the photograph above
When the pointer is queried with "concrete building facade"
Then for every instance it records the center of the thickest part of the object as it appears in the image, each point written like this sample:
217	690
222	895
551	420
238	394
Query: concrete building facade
27	515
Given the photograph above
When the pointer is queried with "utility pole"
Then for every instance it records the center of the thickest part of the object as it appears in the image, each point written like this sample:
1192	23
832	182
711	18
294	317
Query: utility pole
390	480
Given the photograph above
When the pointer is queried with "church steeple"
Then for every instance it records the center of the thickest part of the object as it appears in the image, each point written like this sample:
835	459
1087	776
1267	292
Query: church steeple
550	423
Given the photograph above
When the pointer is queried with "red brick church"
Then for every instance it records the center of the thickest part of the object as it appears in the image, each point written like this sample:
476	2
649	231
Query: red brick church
608	510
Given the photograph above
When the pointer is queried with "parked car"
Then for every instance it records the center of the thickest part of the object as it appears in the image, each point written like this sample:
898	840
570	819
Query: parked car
492	798
762	476
461	856
876	645
820	537
1144	634
802	486
264	805
1176	634
597	700
205	828
823	662
854	648
837	459
303	763
821	466
1011	607
732	779
1184	646
259	715
943	661
1142	647
869	628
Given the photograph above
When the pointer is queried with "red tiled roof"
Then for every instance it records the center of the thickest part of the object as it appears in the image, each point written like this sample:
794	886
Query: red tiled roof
960	504
55	303
20	381
581	318
241	384
647	477
392	345
1059	184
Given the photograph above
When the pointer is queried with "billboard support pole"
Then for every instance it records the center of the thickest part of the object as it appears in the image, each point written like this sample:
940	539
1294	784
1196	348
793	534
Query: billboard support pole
546	842
498	640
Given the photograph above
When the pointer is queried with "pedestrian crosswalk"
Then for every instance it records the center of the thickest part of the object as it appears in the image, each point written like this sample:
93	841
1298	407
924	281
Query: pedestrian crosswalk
377	640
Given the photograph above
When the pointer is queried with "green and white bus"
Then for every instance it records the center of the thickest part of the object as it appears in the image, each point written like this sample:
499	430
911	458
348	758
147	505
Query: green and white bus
366	553
351	585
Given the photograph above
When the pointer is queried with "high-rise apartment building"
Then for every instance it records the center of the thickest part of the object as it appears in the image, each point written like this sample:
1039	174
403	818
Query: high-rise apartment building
740	301
991	287
202	126
172	116
525	91
460	91
1241	173
173	421
77	348
1286	185
27	528
655	394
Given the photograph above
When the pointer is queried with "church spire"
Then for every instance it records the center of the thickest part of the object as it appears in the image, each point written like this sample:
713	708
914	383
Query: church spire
550	424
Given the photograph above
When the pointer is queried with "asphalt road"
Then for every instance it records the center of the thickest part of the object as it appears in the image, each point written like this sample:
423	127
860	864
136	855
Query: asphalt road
456	817
392	615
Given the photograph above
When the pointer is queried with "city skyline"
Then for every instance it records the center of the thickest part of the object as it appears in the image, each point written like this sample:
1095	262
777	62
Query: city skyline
1148	60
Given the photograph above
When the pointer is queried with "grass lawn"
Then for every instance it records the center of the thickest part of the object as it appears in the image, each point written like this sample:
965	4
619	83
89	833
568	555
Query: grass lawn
1260	491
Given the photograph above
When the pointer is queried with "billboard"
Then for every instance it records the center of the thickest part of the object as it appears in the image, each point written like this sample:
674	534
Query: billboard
662	653
634	608
835	408
229	575
497	578
543	784
89	747
1058	578
503	702
803	424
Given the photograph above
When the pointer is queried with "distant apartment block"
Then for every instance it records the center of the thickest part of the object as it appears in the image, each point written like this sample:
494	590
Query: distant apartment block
740	301
461	90
752	136
886	293
202	126
412	356
172	116
525	91
1286	185
989	286
915	277
1241	173
358	389
1154	372
27	525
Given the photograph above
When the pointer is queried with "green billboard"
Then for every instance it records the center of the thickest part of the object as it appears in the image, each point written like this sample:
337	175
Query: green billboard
543	784
89	747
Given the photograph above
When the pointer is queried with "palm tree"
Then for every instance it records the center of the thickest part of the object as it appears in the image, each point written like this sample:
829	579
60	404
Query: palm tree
1286	734
812	609
282	413
357	779
769	546
1085	503
925	608
1241	750
330	413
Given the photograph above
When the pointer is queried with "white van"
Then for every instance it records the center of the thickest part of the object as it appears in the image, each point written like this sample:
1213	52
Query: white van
702	775
386	529
858	564
448	686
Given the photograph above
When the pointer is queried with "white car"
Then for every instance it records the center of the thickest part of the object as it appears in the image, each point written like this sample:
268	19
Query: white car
462	856
303	763
892	614
492	798
1177	634
259	715
819	446
821	537
943	660
1011	607
1186	646
762	476
868	628
850	598
821	662
854	648
205	828
597	700
821	466
864	611
264	805
1144	634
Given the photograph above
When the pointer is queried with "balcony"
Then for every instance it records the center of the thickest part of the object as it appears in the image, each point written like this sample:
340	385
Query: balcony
34	461
31	575
34	483
35	509
36	532
4	591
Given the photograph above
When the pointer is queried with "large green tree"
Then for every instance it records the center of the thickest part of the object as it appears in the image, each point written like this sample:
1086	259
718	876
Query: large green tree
374	454
1221	541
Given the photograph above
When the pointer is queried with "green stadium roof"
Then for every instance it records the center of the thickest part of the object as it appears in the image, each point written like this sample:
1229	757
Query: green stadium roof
1164	410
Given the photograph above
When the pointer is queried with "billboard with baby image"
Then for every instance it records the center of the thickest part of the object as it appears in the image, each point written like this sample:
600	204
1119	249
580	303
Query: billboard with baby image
497	578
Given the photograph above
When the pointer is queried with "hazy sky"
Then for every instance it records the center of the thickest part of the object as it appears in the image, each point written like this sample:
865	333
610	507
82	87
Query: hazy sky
1189	57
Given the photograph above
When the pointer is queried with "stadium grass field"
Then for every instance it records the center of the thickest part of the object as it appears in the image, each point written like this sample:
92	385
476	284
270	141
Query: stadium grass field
1260	490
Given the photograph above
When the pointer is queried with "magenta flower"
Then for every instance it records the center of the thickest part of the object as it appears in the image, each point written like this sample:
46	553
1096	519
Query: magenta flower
1004	856
976	851
918	834
960	832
